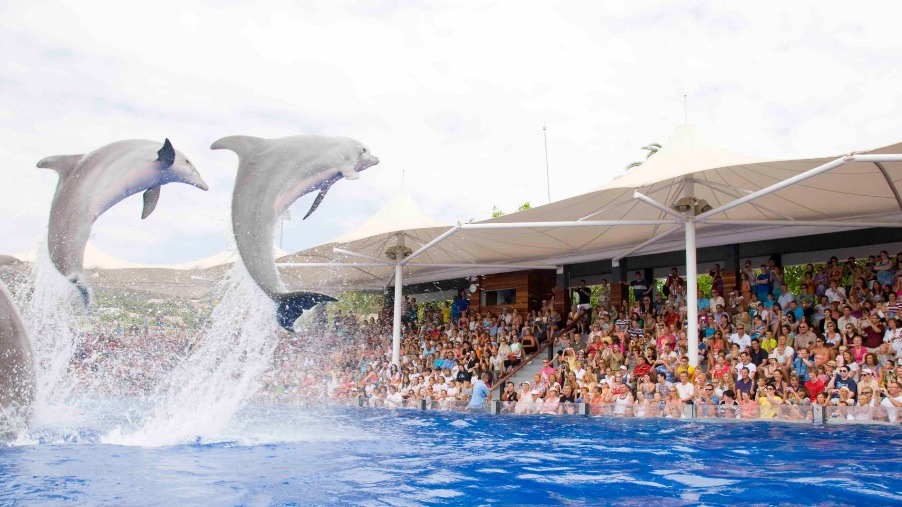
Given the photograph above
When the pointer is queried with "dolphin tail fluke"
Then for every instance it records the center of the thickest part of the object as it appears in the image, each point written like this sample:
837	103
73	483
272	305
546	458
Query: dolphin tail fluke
82	289
292	305
238	144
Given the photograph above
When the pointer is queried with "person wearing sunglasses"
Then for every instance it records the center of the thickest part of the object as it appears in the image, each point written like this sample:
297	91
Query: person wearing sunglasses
840	380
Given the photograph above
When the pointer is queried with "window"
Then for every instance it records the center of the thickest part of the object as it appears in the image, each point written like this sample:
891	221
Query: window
500	297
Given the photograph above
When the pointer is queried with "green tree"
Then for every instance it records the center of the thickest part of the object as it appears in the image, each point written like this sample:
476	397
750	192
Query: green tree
497	212
651	148
357	303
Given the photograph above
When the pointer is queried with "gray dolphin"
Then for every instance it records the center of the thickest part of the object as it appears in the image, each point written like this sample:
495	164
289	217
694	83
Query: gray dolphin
91	184
272	174
16	368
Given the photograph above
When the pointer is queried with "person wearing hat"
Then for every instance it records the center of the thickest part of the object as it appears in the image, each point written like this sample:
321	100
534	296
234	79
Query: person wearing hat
867	381
552	401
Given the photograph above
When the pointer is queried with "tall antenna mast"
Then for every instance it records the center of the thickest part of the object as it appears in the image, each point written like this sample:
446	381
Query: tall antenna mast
402	181
547	173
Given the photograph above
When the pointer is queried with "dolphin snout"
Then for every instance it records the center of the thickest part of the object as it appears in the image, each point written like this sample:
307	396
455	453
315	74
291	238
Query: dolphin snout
368	161
198	182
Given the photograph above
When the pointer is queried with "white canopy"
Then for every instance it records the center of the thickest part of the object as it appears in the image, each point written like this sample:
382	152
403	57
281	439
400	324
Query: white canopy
859	192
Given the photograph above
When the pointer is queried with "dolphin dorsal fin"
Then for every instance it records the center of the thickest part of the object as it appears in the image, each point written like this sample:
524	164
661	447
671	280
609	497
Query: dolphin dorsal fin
166	154
239	144
60	163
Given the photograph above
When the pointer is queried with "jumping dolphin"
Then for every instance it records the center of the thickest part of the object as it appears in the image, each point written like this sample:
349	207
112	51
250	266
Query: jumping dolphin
16	368
91	184
272	174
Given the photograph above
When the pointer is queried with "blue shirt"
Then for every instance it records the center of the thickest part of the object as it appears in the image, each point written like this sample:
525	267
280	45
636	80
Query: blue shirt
801	368
480	393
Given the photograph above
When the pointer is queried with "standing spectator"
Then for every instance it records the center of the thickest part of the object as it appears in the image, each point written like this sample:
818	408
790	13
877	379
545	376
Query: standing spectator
481	393
892	400
640	287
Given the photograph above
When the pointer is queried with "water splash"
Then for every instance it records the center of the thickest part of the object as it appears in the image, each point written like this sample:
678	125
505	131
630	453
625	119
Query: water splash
50	308
219	375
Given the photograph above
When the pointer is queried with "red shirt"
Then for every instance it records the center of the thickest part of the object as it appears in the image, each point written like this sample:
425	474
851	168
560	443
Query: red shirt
815	387
641	369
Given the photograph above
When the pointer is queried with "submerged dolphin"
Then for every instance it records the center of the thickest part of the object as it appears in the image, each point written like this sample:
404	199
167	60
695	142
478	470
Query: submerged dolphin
91	184
16	367
272	174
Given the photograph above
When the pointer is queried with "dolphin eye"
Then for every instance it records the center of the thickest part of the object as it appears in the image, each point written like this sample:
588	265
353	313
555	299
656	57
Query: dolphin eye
364	150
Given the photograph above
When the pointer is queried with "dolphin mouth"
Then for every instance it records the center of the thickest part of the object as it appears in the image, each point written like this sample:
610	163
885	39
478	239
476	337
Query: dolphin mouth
201	184
365	164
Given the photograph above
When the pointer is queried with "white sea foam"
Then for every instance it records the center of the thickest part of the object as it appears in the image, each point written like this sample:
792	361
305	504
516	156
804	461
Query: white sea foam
204	391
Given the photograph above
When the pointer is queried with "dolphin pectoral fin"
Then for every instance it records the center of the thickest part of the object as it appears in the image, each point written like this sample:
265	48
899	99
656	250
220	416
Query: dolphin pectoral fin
150	201
316	202
60	163
322	194
292	305
166	155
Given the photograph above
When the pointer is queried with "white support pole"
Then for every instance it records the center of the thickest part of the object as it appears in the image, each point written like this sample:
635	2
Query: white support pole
647	242
655	204
776	186
396	323
805	223
333	265
691	293
484	266
885	157
429	245
350	253
549	225
691	279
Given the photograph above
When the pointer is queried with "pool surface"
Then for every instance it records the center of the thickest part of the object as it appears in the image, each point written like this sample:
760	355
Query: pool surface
286	455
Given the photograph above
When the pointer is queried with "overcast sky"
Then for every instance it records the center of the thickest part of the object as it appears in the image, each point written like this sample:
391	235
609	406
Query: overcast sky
452	93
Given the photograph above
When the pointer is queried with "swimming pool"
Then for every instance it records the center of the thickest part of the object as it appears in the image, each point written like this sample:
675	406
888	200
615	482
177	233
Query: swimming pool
289	455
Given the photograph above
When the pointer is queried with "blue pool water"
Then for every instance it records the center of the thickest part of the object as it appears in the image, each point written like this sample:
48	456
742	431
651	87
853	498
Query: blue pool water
283	455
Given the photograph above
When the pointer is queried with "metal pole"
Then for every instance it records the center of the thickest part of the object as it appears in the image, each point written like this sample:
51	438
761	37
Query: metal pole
691	279
777	186
429	245
587	223
396	324
805	223
691	293
655	204
647	242
547	173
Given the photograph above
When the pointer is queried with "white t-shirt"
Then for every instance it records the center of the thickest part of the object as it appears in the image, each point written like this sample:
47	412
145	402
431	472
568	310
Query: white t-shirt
687	390
894	338
751	366
744	341
781	358
394	400
892	412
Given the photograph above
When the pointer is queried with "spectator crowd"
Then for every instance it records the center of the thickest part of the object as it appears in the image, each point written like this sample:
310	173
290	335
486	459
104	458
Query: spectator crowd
764	351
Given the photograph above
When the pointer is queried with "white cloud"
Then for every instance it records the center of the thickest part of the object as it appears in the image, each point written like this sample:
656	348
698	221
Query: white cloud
455	94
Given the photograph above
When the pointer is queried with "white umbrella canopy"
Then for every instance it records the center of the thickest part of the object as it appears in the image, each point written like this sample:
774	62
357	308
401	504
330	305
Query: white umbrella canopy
687	164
